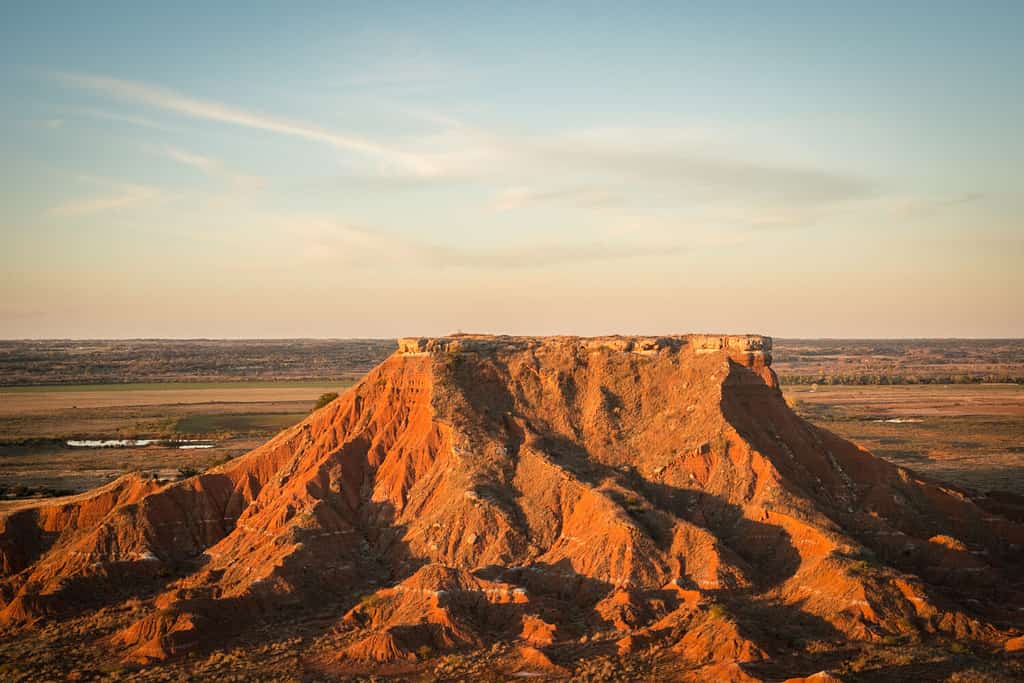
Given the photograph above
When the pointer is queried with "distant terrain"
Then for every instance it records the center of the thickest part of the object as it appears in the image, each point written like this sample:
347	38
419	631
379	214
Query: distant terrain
971	435
899	361
797	361
194	425
491	509
927	404
97	361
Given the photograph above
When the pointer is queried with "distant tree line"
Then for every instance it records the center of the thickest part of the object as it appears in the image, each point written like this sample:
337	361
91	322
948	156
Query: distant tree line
887	378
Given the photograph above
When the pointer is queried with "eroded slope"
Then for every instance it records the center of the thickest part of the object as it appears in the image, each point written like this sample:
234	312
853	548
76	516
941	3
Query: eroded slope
541	500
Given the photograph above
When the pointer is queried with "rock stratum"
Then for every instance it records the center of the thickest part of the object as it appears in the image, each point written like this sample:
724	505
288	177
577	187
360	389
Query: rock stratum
536	505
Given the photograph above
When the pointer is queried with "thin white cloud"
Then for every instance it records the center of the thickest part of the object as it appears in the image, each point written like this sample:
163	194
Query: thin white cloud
118	117
696	168
513	198
126	195
169	100
666	167
198	161
321	240
213	168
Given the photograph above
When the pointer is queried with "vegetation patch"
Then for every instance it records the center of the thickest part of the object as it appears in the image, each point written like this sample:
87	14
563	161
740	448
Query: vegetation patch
236	423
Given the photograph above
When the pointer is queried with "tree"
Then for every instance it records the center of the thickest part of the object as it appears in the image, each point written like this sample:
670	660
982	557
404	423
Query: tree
325	399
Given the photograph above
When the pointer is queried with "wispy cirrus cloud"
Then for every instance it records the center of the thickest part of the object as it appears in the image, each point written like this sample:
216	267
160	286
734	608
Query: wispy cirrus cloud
698	170
321	239
513	198
211	167
117	196
197	161
703	175
117	117
573	168
693	172
170	100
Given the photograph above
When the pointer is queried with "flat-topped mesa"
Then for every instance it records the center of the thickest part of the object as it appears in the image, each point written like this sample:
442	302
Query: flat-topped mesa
752	350
531	492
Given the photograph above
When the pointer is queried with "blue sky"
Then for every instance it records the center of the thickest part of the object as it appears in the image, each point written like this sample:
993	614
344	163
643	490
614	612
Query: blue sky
375	169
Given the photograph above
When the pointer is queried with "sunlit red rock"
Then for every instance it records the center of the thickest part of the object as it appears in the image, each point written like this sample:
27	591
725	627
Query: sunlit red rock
625	494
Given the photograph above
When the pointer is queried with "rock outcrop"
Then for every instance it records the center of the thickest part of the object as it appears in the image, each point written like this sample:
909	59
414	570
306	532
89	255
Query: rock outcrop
537	499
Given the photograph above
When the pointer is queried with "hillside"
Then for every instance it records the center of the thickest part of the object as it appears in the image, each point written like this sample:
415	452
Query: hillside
541	503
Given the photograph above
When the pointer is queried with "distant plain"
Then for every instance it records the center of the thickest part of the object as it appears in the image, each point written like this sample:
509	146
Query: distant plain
971	435
230	418
950	409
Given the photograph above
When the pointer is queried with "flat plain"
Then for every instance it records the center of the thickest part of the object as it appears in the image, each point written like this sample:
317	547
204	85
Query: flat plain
951	409
966	434
194	426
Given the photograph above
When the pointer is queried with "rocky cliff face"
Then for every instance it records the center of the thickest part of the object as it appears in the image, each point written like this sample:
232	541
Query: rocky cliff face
536	501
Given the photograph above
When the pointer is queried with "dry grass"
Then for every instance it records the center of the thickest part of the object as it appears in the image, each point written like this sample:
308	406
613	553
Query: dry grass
20	401
34	423
971	435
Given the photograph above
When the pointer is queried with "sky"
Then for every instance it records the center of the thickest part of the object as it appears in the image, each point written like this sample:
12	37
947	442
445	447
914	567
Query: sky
370	170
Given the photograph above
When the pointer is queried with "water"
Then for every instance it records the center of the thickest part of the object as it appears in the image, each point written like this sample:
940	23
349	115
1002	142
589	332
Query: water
127	443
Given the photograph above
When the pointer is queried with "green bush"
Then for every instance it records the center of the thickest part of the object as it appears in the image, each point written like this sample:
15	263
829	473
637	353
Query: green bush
325	399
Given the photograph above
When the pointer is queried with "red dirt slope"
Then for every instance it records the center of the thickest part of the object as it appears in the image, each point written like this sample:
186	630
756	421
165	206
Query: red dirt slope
538	502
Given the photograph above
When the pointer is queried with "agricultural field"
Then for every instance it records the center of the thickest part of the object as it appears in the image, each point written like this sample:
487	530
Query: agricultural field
173	407
899	361
183	427
62	361
970	435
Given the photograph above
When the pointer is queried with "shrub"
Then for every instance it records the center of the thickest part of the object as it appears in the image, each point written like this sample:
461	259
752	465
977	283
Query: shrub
861	566
717	611
325	399
186	472
371	600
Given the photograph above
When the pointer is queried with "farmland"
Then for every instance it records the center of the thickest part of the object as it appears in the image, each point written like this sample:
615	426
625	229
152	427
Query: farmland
971	435
111	362
194	426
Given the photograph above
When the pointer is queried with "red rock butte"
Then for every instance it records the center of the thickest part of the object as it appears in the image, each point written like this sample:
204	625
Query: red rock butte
535	501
